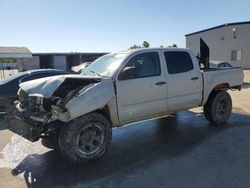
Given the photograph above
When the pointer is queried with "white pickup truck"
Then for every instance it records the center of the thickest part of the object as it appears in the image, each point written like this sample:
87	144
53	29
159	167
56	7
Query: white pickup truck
117	89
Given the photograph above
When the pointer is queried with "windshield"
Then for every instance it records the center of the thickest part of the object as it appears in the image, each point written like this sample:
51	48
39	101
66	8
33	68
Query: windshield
105	65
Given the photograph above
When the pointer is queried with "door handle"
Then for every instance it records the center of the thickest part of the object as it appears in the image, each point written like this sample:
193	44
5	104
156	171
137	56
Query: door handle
160	83
195	78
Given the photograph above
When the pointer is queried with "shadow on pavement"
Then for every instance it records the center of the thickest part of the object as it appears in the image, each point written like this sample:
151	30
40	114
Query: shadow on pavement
2	122
132	147
245	85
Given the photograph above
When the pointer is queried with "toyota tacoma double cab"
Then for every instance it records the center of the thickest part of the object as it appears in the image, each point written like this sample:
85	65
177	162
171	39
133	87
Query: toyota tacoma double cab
117	89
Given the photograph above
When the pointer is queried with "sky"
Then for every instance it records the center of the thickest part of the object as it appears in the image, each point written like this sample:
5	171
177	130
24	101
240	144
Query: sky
110	25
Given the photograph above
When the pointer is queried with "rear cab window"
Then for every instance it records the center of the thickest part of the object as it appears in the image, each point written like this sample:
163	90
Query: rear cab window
178	62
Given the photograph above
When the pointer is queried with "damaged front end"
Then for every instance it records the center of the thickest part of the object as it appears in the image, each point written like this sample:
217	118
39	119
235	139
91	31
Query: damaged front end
42	104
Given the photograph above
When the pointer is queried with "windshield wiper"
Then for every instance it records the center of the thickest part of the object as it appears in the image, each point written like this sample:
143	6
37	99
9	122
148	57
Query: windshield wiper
98	74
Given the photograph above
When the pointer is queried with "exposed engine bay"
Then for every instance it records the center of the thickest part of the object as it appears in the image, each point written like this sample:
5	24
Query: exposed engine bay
39	107
40	102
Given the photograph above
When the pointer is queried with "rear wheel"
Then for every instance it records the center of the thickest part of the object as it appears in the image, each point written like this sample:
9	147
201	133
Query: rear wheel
218	107
86	138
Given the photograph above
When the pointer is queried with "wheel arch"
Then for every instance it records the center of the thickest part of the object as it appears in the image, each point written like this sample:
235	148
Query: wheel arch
211	110
110	112
224	86
104	111
215	89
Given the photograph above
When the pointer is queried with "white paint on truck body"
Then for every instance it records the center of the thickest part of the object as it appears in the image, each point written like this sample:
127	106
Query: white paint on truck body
92	98
137	99
231	76
45	87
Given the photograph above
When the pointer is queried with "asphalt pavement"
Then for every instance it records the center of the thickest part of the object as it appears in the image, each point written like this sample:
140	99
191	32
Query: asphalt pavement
181	151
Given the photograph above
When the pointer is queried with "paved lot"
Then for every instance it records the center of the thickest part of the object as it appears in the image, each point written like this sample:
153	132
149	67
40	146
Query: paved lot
6	73
148	154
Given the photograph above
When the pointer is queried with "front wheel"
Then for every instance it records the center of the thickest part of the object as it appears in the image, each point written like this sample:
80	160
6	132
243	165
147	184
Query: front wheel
86	138
218	107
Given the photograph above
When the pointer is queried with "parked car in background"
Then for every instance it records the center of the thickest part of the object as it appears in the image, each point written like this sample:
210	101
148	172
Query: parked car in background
9	86
79	68
220	64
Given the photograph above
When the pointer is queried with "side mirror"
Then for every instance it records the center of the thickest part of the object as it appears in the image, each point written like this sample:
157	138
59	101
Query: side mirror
128	73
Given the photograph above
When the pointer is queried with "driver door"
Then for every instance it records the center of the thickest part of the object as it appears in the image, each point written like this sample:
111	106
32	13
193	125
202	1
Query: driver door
141	88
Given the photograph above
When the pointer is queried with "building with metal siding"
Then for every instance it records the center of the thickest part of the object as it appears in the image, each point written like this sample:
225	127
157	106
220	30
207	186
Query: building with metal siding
229	42
23	59
64	60
15	58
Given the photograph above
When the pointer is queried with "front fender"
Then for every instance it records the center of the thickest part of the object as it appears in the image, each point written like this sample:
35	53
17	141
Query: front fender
90	99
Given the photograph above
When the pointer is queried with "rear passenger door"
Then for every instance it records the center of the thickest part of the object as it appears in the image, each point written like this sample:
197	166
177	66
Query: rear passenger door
184	80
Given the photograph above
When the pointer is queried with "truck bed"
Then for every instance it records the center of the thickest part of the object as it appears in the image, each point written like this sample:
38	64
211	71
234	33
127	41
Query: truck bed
231	78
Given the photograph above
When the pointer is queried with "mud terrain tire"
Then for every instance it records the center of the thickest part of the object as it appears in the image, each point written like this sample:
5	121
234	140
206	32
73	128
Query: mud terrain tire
86	138
218	107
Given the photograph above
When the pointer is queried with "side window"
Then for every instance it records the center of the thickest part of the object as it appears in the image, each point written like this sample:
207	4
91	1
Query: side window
142	65
178	62
227	65
221	65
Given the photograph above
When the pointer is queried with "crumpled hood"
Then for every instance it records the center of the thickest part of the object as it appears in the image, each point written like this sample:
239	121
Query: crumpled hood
46	87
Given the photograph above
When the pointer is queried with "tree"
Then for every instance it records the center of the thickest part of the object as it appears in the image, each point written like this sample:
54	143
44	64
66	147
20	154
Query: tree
173	46
145	44
134	47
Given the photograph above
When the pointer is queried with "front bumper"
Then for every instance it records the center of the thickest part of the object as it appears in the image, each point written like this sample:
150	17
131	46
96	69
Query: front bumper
17	124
